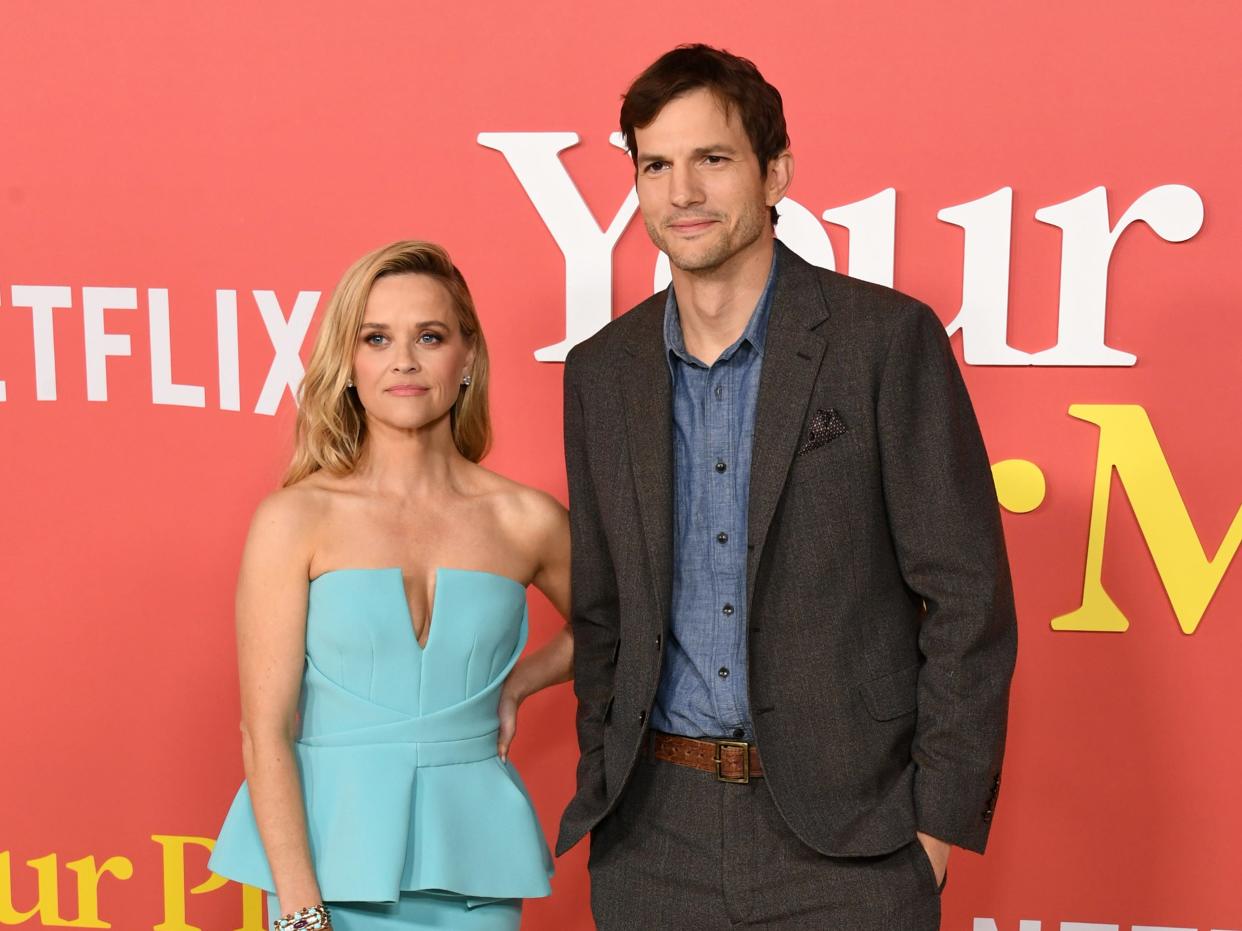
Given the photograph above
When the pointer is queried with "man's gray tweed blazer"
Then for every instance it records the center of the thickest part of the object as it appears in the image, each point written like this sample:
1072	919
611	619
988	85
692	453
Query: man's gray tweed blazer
882	633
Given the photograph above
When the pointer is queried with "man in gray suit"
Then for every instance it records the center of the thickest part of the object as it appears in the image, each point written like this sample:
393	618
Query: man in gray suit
793	620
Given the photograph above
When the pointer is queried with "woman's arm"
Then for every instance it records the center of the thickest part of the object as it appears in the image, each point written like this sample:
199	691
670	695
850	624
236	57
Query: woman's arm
271	644
553	662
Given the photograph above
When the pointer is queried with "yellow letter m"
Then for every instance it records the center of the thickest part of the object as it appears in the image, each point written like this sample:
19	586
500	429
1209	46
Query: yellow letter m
1128	444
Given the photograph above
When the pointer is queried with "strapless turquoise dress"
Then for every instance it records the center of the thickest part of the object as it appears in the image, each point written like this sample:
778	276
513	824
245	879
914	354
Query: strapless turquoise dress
404	791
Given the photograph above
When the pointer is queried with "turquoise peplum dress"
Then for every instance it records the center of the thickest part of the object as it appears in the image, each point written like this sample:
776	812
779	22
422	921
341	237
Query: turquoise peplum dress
410	812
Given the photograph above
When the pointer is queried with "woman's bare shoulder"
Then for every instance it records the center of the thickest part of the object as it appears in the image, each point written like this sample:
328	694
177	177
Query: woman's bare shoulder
526	512
288	517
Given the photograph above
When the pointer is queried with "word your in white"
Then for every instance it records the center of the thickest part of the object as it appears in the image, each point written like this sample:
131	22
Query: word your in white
1173	211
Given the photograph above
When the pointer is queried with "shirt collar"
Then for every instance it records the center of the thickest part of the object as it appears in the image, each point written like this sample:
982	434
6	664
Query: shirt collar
756	328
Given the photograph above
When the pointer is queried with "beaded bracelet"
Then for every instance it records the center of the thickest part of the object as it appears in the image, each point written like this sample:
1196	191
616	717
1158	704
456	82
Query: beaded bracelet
314	918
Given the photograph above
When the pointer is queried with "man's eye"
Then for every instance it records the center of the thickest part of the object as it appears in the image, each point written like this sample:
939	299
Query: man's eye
714	159
653	167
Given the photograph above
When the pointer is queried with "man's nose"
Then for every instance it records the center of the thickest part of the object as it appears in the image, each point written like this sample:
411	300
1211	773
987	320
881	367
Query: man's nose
685	189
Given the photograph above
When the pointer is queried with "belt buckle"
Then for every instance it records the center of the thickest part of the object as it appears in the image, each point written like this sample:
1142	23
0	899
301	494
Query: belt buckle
745	748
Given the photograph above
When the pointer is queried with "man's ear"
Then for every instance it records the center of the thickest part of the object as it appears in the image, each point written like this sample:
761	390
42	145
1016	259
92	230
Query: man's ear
780	177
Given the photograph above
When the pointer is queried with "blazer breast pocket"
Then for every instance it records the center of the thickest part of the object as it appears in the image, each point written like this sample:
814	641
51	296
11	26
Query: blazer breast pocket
826	427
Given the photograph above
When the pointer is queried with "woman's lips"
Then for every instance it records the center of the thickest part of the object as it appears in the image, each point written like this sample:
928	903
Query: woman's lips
406	391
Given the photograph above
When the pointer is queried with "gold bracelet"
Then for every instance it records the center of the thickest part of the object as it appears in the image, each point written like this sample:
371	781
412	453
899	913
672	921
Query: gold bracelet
314	918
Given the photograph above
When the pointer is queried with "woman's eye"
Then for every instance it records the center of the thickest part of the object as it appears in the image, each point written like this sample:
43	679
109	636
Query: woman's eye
376	339
431	338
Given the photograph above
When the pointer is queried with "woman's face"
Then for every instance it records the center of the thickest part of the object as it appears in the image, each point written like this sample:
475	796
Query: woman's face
411	354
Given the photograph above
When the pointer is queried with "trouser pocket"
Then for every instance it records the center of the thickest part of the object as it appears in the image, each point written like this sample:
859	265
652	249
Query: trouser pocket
923	864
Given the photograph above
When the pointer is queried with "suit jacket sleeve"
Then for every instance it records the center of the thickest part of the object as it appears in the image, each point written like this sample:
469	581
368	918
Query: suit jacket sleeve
593	617
945	524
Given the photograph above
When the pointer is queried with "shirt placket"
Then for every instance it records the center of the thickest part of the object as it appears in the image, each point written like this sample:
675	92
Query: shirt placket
721	395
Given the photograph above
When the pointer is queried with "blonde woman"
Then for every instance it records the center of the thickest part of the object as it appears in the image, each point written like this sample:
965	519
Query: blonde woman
381	616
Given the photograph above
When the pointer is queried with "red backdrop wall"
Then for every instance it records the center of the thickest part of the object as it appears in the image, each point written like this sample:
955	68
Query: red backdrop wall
245	149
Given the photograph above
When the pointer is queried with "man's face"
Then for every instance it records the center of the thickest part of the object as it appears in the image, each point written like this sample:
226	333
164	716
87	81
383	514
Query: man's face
702	195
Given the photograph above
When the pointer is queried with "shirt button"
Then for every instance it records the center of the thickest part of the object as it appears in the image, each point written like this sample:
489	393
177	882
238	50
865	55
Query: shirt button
719	391
720	466
727	610
738	732
723	672
722	537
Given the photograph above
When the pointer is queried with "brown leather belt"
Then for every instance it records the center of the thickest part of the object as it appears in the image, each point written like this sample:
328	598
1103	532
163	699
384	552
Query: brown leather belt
728	760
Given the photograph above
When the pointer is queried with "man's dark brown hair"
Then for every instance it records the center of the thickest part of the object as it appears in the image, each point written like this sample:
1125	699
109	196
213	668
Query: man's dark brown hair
735	81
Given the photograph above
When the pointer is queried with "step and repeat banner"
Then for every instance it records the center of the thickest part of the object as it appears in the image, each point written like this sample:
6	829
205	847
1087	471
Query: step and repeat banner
182	184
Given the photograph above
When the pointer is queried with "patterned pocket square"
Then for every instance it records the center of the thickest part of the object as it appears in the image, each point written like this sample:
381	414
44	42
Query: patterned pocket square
826	426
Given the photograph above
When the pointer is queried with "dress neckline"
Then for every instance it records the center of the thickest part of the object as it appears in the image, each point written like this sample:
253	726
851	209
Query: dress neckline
405	599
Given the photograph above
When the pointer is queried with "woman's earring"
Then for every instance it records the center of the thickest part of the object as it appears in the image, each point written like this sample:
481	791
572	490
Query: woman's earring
349	383
465	380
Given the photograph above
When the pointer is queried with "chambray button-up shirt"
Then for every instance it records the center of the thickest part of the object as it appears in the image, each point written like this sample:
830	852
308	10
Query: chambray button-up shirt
703	681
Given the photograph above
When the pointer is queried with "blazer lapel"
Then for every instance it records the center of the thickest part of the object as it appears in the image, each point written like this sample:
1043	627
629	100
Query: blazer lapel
792	354
649	428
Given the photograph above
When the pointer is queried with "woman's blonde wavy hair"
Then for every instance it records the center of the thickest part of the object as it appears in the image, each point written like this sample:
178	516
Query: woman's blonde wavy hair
331	424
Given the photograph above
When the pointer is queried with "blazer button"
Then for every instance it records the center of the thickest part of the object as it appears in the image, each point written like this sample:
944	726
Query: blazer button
987	814
642	717
659	640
